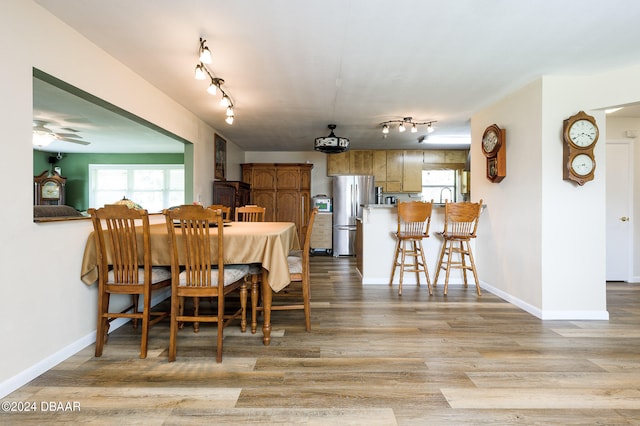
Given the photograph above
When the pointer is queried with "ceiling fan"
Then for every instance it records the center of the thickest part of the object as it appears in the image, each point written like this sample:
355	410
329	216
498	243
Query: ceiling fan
43	135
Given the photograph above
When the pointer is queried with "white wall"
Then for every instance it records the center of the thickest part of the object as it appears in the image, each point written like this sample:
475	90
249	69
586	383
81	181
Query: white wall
46	312
545	232
509	244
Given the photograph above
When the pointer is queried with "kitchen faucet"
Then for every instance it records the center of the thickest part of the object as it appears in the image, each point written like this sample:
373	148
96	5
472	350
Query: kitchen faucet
450	193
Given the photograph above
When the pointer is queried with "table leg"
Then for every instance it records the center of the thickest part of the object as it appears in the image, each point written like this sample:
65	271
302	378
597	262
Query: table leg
266	307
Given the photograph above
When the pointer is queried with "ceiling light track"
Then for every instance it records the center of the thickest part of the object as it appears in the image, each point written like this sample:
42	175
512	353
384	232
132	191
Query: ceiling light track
407	122
202	72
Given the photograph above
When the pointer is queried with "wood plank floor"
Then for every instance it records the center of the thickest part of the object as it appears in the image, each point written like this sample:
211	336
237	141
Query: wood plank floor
372	358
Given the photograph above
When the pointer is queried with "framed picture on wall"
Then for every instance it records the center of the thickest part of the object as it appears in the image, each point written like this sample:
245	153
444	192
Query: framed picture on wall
221	157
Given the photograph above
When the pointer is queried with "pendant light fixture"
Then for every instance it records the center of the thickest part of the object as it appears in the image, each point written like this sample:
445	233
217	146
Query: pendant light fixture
331	144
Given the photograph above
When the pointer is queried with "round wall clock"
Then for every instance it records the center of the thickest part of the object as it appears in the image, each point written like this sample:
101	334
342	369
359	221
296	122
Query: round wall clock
580	134
494	148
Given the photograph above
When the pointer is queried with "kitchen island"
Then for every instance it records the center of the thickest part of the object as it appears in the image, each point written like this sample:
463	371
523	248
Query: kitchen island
377	244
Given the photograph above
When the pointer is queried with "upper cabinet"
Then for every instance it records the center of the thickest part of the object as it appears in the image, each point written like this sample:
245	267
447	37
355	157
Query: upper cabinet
394	170
412	171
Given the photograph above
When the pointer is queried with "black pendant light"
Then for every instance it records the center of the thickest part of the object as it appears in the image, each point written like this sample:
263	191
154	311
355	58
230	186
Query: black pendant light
331	144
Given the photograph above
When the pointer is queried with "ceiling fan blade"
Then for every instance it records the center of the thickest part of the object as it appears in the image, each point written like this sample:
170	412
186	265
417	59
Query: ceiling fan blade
68	135
74	141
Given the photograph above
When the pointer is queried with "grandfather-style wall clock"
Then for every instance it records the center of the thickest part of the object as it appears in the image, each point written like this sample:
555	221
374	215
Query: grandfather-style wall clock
495	149
49	188
580	134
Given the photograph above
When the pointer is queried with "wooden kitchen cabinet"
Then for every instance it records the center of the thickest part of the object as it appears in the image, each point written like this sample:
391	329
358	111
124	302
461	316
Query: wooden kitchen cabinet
361	163
380	166
338	164
358	162
283	189
412	171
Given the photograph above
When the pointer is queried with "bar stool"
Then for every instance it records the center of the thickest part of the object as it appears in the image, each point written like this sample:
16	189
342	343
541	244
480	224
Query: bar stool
460	226
414	219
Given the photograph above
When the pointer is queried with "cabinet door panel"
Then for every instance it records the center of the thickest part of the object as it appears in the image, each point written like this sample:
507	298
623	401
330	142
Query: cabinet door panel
412	171
266	199
338	164
288	178
361	163
394	166
288	203
264	178
380	166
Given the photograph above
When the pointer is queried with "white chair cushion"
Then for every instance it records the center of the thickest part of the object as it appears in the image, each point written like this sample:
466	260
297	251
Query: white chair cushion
295	253
295	264
157	274
232	273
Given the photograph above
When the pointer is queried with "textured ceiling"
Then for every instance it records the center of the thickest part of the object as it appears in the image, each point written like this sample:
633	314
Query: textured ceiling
292	67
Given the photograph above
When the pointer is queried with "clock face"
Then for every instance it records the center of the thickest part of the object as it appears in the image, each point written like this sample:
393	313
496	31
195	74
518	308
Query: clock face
489	141
583	133
582	164
50	190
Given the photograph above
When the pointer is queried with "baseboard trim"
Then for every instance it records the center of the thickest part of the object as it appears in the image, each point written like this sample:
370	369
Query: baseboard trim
546	315
24	377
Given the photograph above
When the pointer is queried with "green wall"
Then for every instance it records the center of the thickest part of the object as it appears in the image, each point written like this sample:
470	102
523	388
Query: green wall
75	167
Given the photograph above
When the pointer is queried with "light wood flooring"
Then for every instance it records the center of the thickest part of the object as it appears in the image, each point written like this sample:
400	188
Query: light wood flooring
372	358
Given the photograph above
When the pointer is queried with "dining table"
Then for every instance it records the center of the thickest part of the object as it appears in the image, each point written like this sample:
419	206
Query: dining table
265	243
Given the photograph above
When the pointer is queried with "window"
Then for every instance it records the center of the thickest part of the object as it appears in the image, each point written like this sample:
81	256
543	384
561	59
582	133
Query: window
153	186
439	185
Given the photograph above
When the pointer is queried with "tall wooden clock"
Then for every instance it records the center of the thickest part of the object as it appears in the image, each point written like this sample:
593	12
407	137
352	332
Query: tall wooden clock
494	147
580	134
49	188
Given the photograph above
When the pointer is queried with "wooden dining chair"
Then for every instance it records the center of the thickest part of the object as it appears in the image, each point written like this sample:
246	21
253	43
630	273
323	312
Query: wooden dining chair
460	226
123	248
226	210
250	213
414	219
193	250
299	273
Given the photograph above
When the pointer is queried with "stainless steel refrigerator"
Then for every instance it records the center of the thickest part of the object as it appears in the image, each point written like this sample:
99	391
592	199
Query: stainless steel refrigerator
350	193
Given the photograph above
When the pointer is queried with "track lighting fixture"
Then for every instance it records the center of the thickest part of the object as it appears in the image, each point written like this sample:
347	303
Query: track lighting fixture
406	121
205	53
215	85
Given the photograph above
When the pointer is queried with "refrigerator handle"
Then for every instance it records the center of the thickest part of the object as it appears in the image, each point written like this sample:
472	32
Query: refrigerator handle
355	201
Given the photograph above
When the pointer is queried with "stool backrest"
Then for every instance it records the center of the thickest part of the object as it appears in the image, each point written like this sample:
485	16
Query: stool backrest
461	219
414	217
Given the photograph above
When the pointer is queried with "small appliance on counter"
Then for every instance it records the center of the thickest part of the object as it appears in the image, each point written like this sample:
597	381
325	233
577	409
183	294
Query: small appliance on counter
390	200
323	203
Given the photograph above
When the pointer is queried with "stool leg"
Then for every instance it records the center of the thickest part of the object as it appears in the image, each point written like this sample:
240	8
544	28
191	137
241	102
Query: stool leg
446	278
426	270
395	261
463	264
403	249
439	264
416	266
473	269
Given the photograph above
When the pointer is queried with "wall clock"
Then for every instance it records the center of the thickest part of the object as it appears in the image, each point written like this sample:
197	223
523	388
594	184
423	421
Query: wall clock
494	148
49	189
580	134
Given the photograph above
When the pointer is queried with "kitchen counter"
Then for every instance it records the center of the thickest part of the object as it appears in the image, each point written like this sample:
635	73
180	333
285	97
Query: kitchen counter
379	223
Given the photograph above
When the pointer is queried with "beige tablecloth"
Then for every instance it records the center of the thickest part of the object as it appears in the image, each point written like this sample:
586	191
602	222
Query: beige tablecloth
267	243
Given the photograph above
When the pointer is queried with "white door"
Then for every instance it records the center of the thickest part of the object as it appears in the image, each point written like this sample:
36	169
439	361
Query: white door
618	211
